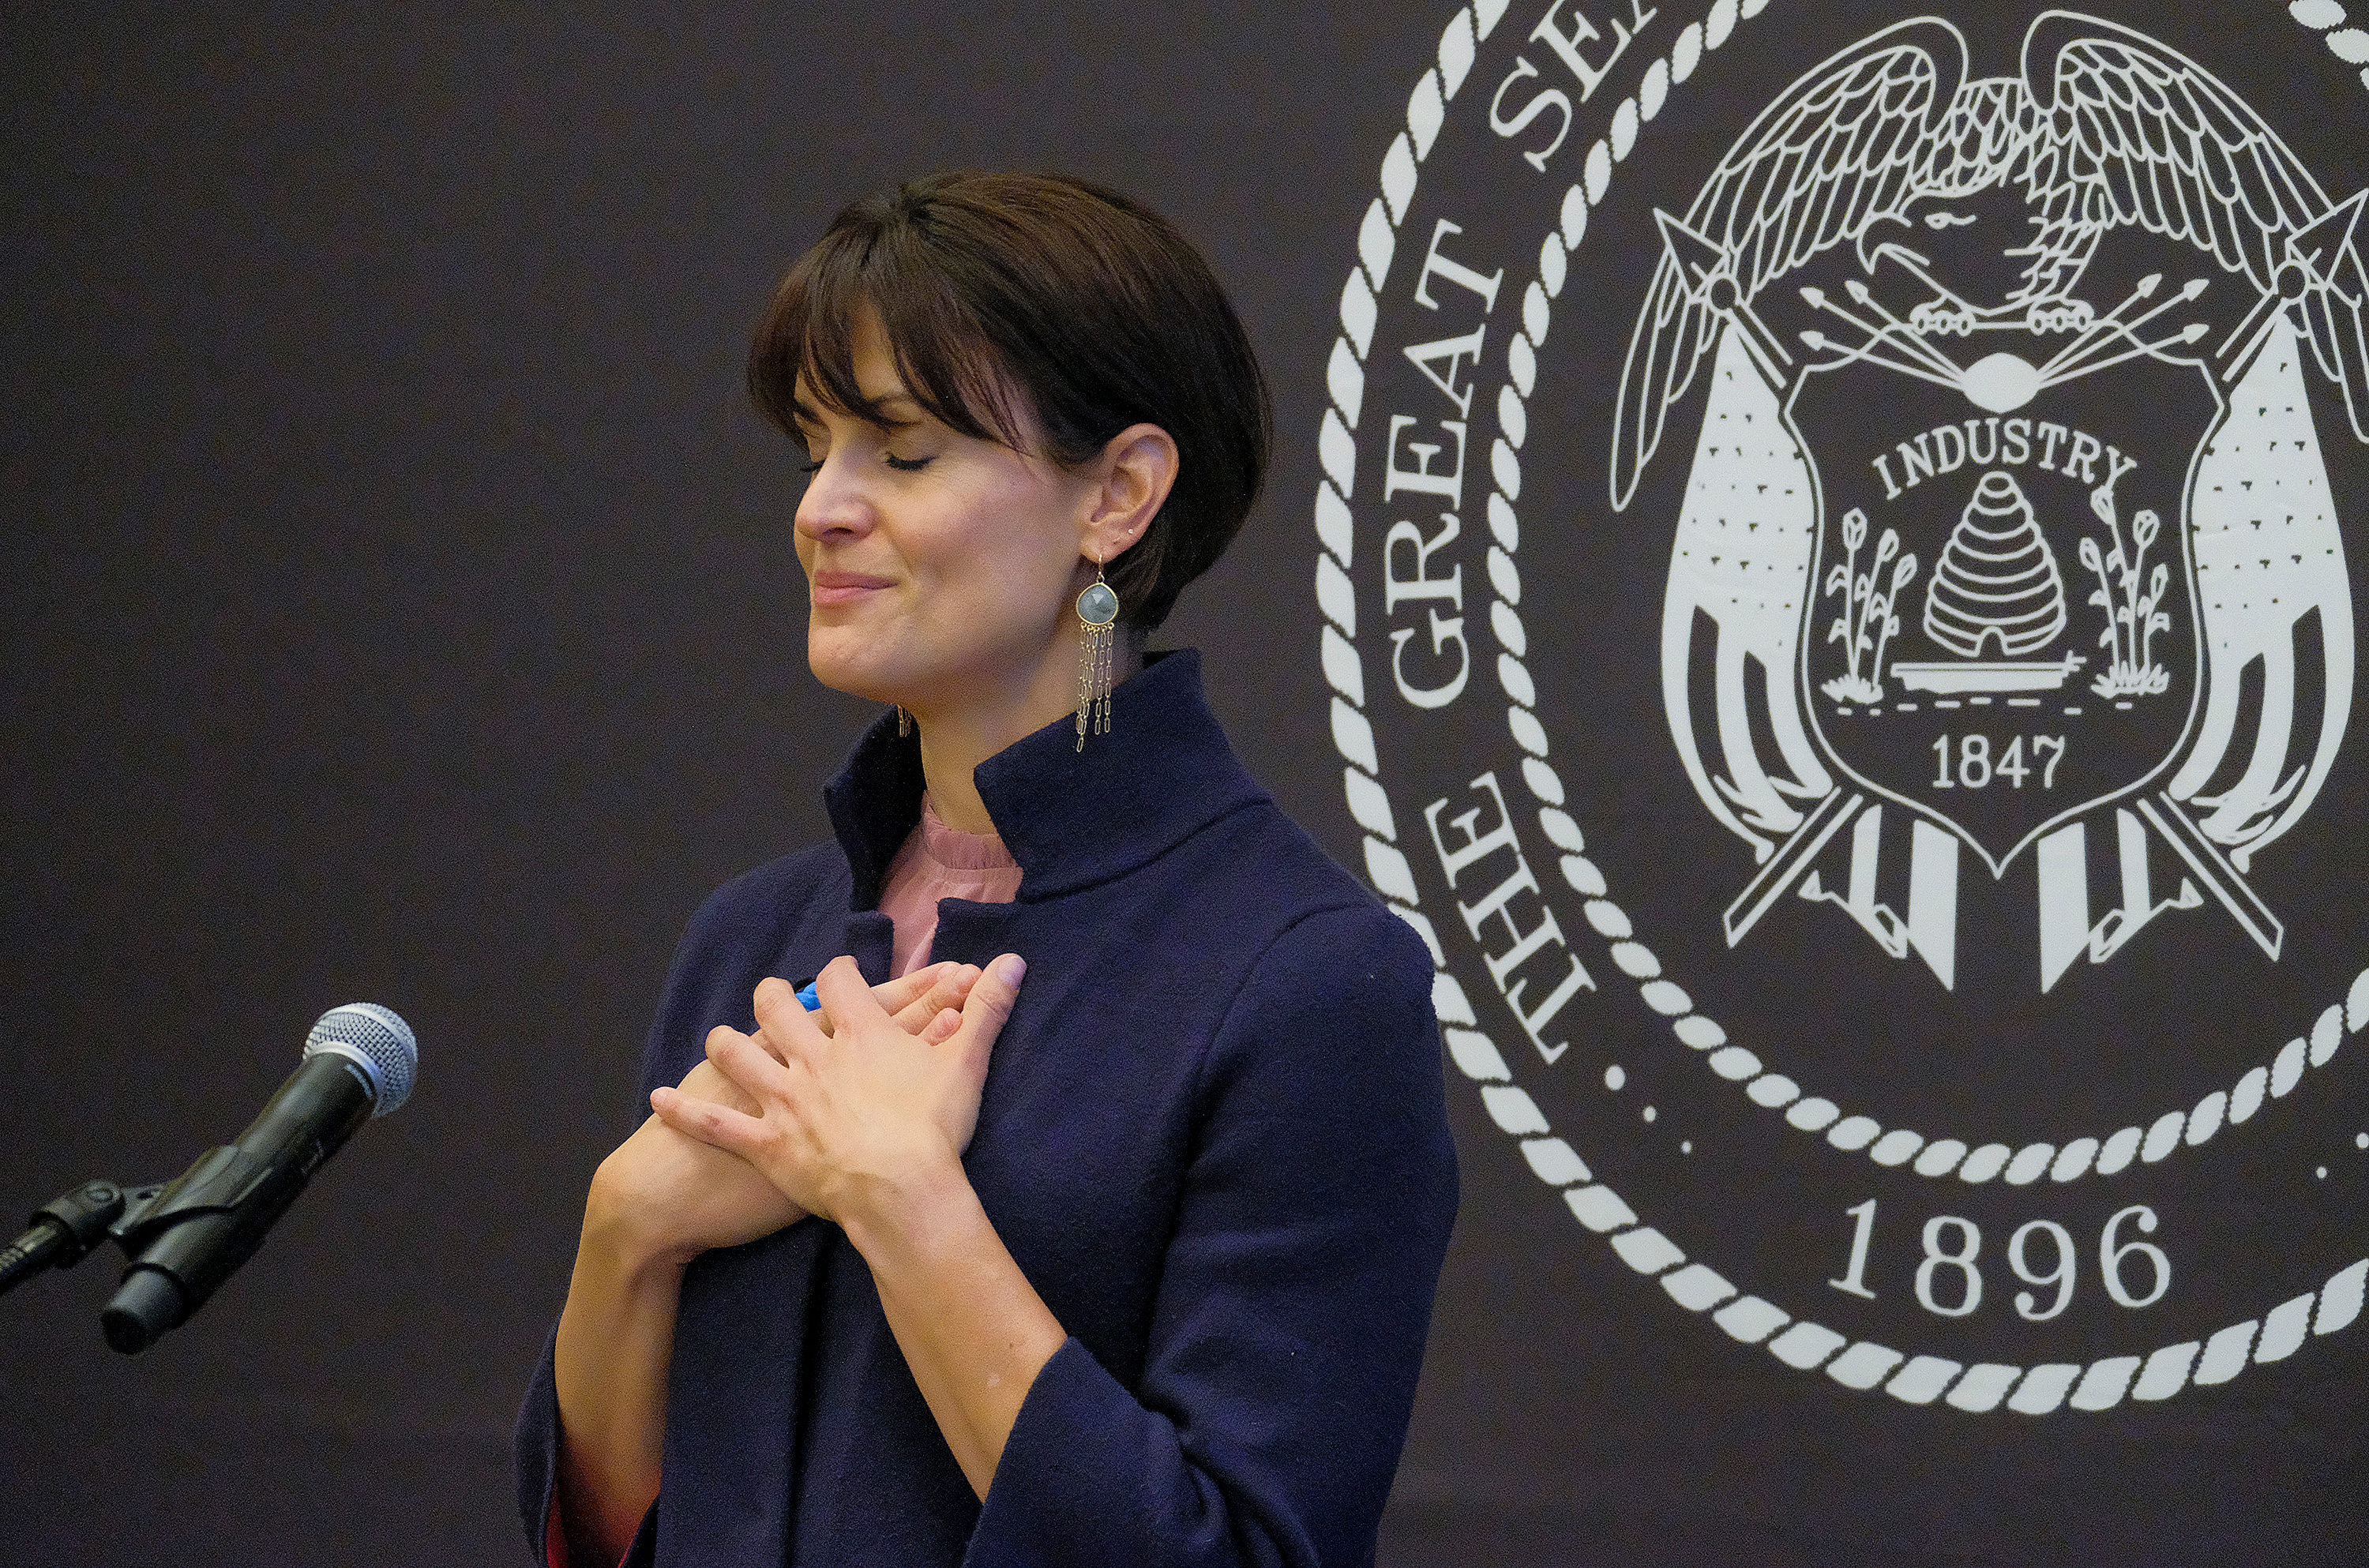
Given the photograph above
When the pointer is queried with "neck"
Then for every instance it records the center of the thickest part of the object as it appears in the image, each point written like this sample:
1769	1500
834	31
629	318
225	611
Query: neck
958	736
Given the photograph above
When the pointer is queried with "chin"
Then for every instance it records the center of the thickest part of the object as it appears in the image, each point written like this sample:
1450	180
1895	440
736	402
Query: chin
855	682
851	665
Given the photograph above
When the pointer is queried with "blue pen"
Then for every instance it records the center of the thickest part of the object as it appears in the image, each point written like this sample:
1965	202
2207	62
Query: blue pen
806	998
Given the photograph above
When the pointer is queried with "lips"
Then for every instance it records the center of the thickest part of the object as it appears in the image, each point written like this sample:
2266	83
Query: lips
834	589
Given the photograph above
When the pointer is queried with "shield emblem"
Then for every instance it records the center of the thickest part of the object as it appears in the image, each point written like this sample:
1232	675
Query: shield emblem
2002	628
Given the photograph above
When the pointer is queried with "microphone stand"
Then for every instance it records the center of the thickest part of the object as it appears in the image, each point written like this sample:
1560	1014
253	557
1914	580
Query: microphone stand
64	1232
205	1198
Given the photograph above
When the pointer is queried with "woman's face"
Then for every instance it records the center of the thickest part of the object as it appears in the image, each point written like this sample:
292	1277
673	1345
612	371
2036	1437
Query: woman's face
940	566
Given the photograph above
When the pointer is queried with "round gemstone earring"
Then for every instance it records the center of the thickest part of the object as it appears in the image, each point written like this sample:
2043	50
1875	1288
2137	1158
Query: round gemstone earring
1097	620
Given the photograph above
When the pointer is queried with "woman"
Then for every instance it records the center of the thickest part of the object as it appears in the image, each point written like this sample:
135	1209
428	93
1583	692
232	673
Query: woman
1128	1264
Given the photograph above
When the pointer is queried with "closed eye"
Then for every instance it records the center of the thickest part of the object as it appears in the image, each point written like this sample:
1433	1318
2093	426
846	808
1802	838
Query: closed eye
905	464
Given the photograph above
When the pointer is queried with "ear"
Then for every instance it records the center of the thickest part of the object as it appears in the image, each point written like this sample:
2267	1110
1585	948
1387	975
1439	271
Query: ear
1133	474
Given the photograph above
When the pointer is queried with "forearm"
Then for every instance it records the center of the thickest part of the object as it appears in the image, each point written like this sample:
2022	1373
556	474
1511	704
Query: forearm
974	1332
609	1361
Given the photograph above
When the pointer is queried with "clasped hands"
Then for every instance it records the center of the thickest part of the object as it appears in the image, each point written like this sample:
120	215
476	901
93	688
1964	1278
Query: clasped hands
824	1113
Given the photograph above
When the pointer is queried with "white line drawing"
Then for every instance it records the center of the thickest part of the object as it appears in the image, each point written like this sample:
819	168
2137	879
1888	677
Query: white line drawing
1997	579
1886	154
1867	620
1920	1380
2132	614
2269	559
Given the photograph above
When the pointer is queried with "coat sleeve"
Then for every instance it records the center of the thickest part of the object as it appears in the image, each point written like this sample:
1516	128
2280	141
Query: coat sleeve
728	939
1294	1294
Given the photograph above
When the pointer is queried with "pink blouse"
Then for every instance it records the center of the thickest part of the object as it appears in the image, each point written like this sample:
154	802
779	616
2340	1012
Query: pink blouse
938	862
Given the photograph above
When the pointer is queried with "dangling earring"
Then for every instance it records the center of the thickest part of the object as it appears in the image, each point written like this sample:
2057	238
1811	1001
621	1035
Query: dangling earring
1098	617
904	721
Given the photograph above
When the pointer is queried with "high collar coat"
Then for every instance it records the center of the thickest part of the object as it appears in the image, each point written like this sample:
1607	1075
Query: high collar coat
1212	1137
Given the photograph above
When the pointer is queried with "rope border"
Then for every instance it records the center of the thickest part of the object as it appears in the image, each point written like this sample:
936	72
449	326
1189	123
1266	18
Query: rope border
1800	1342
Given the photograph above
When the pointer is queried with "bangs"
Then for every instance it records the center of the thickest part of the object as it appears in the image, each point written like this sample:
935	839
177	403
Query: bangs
806	344
1043	314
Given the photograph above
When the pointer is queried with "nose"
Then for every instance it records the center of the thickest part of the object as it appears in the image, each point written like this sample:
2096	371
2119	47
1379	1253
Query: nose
835	505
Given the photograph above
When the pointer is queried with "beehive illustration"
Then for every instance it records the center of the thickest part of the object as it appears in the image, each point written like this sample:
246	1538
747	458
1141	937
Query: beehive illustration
1997	580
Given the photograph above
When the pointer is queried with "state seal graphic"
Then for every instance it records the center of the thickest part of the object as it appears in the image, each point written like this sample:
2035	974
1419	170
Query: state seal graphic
1924	209
1837	539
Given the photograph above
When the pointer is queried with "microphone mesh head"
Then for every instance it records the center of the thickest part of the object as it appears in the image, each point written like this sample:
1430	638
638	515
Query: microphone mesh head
376	1039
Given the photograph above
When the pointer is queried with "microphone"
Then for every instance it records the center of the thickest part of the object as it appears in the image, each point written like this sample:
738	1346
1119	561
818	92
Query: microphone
360	1061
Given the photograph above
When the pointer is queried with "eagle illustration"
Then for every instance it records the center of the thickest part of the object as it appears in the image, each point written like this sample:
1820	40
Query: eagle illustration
1894	150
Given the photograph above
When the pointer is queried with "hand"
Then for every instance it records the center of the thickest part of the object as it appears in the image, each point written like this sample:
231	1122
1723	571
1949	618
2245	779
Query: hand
853	1117
662	1196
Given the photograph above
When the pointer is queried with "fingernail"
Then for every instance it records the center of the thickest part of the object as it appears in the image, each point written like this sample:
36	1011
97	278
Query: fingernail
1010	967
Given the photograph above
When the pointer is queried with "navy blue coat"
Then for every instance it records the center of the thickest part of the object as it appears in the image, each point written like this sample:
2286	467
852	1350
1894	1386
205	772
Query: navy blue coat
1212	1137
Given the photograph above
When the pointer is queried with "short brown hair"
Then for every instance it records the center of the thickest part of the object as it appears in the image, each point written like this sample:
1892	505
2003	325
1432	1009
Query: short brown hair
1091	306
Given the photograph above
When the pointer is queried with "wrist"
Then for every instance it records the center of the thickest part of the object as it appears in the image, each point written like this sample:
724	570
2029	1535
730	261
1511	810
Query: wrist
911	1213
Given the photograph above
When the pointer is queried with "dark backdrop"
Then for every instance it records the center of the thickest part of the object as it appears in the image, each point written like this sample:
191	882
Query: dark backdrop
399	605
